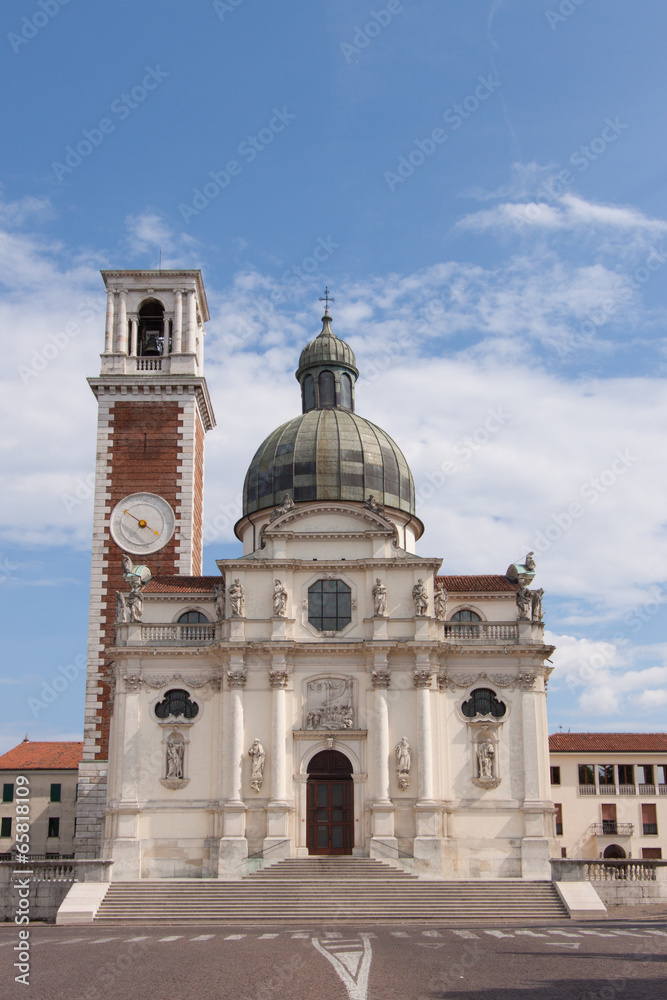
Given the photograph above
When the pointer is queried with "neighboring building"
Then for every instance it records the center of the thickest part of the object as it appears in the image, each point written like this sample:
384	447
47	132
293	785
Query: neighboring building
51	770
327	692
610	792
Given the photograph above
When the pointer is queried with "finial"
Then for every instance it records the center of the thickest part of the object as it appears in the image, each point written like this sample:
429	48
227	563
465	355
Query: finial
326	298
26	739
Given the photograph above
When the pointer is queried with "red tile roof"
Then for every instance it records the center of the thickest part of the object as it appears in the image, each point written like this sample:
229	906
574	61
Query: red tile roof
182	584
30	756
476	584
608	742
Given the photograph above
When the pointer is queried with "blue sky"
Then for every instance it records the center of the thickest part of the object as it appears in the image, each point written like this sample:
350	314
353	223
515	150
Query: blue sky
484	185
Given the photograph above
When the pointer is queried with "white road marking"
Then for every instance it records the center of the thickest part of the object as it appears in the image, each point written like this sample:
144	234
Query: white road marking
431	934
627	934
332	934
399	934
596	933
530	933
73	941
467	935
300	936
145	937
99	940
564	944
267	937
352	965
203	937
498	934
562	933
234	937
661	933
174	937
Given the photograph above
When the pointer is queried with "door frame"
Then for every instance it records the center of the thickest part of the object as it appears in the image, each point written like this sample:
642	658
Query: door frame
306	745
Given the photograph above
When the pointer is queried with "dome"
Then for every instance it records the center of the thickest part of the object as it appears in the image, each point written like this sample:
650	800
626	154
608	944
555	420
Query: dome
328	454
327	349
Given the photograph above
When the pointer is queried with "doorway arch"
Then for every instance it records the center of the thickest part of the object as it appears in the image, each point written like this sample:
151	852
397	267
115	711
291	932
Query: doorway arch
330	804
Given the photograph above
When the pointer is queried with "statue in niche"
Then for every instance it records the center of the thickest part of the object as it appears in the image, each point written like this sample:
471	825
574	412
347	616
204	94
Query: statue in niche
237	599
377	508
219	600
329	704
420	597
282	508
279	599
175	754
486	753
403	762
440	601
379	599
536	604
257	758
524	603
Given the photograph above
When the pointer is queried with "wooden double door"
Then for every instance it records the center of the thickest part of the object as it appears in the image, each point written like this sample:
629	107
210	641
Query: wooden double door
330	799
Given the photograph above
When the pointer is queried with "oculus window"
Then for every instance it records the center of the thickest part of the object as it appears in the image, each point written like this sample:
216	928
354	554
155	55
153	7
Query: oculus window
329	605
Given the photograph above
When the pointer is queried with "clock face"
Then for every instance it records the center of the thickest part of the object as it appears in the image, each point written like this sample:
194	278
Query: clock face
142	523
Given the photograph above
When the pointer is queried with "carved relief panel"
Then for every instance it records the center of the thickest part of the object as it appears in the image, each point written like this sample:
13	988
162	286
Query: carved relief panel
329	703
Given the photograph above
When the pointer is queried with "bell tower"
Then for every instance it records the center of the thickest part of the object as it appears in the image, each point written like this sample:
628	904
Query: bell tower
153	412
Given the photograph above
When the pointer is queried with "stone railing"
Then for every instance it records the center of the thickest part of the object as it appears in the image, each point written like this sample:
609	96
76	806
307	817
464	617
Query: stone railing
149	364
482	631
56	871
139	634
607	870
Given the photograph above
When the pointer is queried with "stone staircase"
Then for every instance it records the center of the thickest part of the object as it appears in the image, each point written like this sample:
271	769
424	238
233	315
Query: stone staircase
327	889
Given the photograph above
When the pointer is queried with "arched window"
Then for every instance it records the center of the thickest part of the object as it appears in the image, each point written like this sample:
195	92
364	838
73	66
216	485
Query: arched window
192	618
177	702
614	851
329	605
327	389
346	391
483	701
150	336
308	394
465	616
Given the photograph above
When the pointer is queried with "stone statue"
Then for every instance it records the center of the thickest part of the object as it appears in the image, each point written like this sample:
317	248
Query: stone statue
420	597
403	762
440	601
529	562
279	599
524	602
121	608
379	599
377	508
522	573
536	604
282	508
485	756
134	603
257	758
135	575
175	753
237	599
219	600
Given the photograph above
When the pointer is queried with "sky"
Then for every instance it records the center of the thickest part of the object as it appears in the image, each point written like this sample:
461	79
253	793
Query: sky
481	185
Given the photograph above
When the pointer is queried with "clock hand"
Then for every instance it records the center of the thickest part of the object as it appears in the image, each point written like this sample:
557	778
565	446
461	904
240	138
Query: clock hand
142	523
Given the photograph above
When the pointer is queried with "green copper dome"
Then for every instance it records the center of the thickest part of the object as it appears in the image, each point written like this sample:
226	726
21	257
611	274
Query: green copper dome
329	452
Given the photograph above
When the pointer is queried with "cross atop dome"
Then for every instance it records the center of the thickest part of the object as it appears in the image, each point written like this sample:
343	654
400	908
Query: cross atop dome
326	298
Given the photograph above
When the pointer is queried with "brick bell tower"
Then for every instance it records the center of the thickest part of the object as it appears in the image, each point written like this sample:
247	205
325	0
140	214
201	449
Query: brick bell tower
154	410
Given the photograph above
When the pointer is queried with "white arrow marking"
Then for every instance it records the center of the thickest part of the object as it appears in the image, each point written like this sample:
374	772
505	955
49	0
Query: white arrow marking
352	966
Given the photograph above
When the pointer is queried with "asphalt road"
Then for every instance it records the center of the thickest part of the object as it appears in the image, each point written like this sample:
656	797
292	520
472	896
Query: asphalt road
614	960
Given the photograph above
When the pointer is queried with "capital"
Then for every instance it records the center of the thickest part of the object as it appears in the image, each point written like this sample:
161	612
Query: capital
237	678
422	678
278	678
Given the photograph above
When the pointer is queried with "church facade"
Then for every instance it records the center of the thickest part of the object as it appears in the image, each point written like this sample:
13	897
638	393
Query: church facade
329	691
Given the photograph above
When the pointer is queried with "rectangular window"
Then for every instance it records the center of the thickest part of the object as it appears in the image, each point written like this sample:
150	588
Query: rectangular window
645	772
652	853
626	774
555	776
649	819
609	825
55	793
7	793
559	819
606	777
6	830
563	852
586	779
662	774
54	827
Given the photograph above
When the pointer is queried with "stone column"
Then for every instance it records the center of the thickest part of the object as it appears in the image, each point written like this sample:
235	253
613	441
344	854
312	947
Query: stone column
177	340
427	843
108	329
276	843
384	844
121	345
233	845
125	846
134	330
191	327
535	842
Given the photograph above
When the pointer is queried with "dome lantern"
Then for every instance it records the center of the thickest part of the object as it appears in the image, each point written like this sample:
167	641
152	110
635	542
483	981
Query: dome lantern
327	371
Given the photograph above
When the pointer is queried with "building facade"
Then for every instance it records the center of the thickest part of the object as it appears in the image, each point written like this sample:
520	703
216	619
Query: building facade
46	774
610	794
329	692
